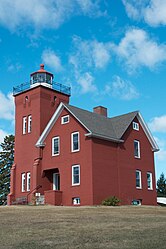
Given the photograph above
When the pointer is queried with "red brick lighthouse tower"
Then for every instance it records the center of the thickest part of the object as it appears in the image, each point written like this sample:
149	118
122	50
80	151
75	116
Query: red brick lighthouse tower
35	103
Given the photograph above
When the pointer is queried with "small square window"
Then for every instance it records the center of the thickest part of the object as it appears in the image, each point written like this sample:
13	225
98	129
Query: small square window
135	126
136	149
76	201
65	119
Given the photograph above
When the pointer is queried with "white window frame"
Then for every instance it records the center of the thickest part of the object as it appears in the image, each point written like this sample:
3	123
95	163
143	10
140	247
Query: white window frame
151	183
63	119
28	181
140	179
24	125
29	123
23	182
139	154
73	183
136	126
53	152
72	141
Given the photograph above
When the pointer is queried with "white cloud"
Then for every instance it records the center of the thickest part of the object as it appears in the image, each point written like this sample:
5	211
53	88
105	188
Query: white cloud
50	58
121	89
14	67
2	136
158	124
19	14
6	106
152	11
86	82
89	53
137	49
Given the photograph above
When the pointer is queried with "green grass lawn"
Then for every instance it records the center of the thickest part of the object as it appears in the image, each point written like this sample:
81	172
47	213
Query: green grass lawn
26	227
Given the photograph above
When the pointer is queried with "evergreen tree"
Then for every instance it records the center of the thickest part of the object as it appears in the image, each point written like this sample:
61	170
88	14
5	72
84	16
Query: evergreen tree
6	161
161	186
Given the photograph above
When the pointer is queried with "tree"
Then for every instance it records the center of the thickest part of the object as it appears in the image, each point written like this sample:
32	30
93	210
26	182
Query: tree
161	186
6	161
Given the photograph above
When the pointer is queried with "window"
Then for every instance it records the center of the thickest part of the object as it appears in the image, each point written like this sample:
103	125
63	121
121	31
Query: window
76	175
56	181
55	146
23	182
28	181
65	119
138	179
24	125
135	126
76	201
29	123
149	180
75	142
136	149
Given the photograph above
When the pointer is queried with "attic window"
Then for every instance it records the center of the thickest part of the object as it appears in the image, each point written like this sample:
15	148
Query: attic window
65	119
135	126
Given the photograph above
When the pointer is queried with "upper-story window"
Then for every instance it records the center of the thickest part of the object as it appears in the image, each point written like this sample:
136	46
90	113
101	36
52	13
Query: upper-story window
138	179
29	123
149	180
55	146
135	126
75	142
65	119
28	181
23	182
136	149
24	125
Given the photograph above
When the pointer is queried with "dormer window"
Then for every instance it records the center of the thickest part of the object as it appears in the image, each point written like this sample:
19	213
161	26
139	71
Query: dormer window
135	126
65	119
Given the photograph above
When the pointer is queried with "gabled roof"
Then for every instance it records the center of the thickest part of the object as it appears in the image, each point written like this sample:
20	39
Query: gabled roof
99	126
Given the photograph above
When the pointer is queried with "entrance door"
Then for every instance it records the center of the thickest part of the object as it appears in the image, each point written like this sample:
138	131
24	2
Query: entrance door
56	181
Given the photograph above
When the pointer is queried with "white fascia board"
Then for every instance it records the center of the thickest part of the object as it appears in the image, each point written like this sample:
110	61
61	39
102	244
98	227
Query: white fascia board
104	137
77	119
40	142
155	147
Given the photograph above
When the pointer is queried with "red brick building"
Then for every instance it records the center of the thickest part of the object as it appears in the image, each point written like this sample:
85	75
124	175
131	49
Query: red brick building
70	156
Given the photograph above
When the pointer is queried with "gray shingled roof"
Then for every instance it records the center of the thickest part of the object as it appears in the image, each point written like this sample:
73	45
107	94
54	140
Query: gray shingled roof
112	128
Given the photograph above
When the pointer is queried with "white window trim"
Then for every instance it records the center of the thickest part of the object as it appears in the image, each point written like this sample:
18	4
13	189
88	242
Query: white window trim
75	184
24	125
139	154
57	154
140	177
23	182
29	123
136	126
72	147
28	178
151	183
62	119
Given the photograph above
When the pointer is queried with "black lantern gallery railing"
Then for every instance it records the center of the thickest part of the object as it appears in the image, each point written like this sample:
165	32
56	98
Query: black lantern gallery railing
54	85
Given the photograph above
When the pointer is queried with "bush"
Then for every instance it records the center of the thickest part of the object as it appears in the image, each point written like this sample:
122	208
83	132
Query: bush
111	201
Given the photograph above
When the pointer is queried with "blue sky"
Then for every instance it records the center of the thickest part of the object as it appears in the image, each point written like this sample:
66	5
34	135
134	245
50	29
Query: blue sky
111	53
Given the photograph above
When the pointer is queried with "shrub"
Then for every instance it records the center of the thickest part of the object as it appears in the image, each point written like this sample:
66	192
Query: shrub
111	201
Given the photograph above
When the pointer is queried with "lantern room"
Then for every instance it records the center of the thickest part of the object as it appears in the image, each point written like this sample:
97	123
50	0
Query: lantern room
41	77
